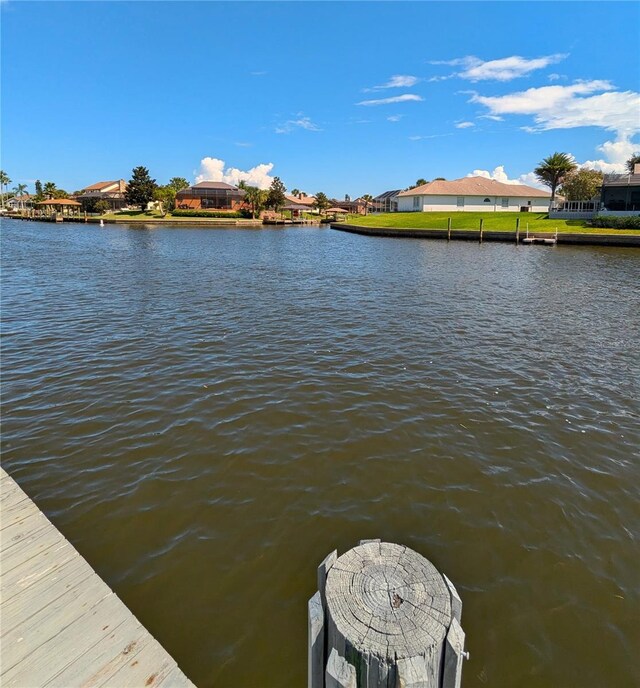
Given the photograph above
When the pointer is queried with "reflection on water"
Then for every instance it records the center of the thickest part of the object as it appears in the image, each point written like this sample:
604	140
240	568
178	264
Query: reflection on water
206	414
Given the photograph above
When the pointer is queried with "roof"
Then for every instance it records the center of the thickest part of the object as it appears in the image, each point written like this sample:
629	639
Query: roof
100	185
300	200
474	186
387	194
59	201
214	185
336	210
25	197
621	180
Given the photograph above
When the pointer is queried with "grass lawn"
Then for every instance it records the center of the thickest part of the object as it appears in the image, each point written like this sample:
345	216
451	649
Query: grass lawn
495	222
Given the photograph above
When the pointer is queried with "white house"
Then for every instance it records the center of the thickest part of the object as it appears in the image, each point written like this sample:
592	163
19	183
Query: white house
473	194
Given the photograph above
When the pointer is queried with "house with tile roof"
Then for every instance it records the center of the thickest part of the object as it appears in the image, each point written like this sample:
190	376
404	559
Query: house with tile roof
473	194
111	191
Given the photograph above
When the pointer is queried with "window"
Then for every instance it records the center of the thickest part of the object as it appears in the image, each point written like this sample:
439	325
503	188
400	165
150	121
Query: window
505	202
460	202
487	200
416	202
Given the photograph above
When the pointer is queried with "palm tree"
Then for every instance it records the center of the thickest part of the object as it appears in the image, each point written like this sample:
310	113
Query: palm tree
256	198
19	190
552	171
4	180
367	198
49	189
295	192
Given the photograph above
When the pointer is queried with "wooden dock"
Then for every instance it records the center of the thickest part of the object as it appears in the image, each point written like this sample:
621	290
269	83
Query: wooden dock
60	624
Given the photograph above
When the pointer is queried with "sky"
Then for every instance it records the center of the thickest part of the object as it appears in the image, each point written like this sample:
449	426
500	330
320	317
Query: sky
344	98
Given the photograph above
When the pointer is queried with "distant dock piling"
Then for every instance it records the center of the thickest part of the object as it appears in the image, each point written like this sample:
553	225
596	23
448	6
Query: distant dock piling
384	616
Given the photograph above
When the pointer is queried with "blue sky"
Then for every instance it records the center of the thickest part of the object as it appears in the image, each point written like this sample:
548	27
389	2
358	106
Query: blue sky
92	89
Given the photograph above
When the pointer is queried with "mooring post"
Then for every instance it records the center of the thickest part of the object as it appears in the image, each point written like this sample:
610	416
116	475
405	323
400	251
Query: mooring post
517	230
384	616
448	229
481	226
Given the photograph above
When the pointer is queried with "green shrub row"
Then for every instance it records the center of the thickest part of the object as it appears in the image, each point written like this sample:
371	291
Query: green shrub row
612	222
208	213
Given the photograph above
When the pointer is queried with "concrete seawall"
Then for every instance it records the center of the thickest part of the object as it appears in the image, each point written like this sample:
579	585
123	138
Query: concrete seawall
632	240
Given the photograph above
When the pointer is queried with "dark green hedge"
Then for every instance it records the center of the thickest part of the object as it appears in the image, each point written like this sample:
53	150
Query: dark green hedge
208	213
612	222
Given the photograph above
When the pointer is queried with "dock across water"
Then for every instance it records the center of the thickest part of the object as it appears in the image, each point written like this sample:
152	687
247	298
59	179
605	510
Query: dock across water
60	624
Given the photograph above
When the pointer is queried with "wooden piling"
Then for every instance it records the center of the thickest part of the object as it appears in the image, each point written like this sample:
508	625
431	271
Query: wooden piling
481	226
448	229
517	230
384	616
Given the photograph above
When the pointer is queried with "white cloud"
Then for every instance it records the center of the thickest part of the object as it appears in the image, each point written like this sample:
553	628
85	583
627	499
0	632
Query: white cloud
396	81
243	144
503	69
465	125
394	118
394	99
214	170
616	153
428	136
583	104
301	123
499	175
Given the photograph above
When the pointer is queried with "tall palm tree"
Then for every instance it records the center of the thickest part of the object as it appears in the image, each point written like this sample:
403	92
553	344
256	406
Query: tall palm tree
367	198
4	180
552	171
19	190
49	189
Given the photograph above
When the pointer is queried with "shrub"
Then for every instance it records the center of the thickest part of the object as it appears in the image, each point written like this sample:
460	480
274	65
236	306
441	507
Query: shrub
612	222
206	213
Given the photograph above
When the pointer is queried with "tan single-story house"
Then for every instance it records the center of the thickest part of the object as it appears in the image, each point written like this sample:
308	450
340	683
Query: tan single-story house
473	194
20	202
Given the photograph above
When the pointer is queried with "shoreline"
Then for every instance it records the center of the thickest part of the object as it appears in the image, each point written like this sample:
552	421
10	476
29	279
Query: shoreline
573	238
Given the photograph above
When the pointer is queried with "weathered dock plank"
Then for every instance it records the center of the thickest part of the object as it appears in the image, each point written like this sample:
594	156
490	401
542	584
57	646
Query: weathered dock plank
61	624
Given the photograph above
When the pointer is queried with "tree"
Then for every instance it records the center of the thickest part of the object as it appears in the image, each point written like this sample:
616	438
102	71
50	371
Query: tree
439	179
321	202
4	180
295	192
276	197
420	182
632	162
552	171
101	206
166	196
141	187
368	199
60	193
178	183
39	192
581	185
256	198
49	189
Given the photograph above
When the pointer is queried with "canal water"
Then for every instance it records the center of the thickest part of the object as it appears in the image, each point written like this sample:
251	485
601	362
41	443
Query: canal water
206	414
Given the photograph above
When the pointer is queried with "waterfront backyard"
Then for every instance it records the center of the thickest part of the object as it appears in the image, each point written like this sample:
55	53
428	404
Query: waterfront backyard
492	222
205	415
